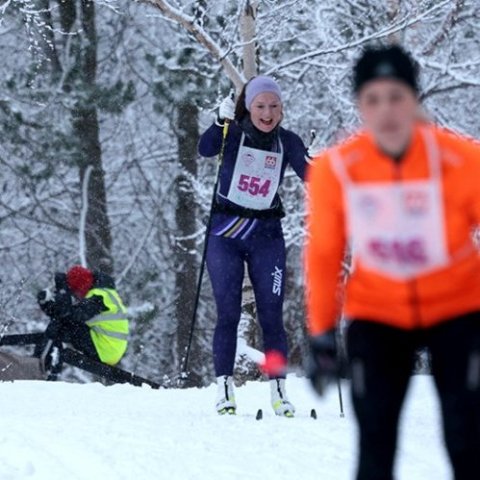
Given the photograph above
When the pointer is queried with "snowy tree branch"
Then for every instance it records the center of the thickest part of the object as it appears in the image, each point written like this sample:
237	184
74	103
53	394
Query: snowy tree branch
189	24
385	32
448	23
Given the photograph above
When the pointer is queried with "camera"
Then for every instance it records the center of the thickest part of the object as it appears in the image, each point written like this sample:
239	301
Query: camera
61	282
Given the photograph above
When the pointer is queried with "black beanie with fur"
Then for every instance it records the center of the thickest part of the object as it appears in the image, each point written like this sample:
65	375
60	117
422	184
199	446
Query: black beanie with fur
385	62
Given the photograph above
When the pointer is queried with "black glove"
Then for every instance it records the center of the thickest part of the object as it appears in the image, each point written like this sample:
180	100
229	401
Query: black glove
54	330
46	301
323	368
63	296
63	304
61	282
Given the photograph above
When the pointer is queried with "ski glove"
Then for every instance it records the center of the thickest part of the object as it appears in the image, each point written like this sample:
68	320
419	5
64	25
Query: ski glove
63	305
315	148
323	368
53	330
61	282
46	301
226	111
45	295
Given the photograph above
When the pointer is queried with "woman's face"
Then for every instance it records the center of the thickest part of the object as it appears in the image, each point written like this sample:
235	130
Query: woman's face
388	109
266	111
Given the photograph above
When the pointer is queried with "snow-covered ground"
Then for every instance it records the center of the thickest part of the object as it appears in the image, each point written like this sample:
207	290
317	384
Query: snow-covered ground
66	431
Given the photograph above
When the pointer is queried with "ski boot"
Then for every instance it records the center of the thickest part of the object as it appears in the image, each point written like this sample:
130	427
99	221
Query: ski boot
50	361
225	403
280	403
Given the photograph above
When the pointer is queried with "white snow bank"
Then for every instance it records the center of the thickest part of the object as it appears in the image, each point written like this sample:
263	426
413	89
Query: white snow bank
51	431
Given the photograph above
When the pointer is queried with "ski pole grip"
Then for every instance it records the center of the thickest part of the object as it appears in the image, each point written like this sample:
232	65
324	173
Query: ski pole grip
226	124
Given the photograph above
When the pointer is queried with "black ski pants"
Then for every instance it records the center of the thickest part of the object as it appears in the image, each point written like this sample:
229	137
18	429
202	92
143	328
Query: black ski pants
381	360
75	333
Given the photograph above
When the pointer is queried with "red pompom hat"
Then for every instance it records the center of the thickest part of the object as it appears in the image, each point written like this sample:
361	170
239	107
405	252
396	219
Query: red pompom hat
79	280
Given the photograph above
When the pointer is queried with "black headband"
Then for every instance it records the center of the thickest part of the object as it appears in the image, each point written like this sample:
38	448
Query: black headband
385	62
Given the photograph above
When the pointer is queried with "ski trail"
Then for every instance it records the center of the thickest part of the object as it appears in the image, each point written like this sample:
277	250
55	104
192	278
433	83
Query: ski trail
58	431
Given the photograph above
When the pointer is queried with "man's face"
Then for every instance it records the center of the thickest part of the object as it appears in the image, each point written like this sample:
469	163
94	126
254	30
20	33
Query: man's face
388	108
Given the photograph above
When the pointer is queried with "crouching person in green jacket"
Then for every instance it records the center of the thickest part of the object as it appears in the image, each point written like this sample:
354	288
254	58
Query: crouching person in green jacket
87	312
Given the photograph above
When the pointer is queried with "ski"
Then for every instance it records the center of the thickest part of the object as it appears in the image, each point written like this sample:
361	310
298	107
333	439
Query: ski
76	359
114	374
21	339
313	415
227	411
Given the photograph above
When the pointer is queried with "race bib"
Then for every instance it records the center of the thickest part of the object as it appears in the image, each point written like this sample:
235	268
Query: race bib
256	177
397	229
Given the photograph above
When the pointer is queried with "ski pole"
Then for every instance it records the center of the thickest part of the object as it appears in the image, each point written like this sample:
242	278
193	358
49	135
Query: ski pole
184	371
313	136
340	397
342	361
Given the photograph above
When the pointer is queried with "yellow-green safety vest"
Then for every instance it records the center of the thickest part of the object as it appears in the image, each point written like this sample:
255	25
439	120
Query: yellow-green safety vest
109	329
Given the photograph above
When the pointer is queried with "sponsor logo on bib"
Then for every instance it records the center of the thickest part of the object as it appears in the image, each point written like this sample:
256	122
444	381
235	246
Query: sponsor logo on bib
270	161
368	205
416	203
248	159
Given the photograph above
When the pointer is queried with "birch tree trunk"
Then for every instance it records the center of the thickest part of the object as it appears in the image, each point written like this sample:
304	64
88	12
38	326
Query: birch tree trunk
248	328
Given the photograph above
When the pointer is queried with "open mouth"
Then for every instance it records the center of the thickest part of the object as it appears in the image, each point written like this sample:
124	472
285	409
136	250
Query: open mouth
267	123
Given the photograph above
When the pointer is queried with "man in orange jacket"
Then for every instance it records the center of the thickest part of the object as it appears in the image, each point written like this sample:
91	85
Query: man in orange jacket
404	195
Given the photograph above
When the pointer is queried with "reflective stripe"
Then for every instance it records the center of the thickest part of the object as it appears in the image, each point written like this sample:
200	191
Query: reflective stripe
109	329
108	333
103	317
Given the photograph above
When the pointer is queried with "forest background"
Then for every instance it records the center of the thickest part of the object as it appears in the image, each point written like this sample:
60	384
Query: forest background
102	104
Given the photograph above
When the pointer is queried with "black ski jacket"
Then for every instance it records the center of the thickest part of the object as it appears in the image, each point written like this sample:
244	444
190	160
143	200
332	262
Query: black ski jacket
68	309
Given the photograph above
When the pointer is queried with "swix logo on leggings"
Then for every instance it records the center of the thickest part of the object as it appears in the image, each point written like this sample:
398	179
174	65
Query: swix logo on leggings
277	281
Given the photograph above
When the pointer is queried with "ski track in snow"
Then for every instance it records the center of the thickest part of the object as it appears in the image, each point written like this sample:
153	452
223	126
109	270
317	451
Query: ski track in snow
51	431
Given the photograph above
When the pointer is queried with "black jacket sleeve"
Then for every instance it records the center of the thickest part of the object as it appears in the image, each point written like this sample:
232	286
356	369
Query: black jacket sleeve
210	142
81	312
296	154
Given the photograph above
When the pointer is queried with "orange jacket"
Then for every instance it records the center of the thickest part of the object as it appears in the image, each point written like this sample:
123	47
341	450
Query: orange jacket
424	300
